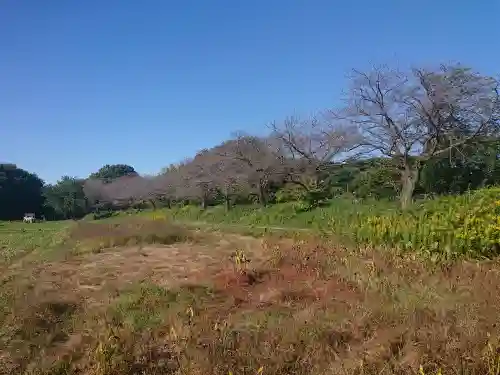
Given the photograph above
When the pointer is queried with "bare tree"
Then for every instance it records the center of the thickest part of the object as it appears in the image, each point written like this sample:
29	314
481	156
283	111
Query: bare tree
95	192
415	116
167	185
229	174
258	159
312	145
198	182
173	182
122	192
141	189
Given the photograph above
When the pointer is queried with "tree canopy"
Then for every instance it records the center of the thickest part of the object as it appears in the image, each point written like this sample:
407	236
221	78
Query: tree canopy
20	192
66	199
110	172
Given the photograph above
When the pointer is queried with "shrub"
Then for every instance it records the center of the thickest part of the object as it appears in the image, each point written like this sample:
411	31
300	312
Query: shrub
103	214
448	227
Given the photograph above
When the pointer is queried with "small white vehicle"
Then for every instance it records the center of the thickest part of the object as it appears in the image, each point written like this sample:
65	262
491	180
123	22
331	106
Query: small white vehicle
29	218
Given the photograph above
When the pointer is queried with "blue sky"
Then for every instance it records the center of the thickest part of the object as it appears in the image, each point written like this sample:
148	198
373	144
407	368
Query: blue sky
147	83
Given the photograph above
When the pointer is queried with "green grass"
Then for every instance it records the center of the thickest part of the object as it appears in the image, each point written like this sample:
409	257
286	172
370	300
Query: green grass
289	215
18	239
466	226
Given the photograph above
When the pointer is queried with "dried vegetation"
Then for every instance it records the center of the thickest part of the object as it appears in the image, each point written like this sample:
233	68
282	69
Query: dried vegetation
232	304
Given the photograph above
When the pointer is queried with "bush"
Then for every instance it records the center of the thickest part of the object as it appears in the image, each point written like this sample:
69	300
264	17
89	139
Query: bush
448	227
99	215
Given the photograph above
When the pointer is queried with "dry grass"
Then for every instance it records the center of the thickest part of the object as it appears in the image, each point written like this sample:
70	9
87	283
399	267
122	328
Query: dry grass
231	304
97	236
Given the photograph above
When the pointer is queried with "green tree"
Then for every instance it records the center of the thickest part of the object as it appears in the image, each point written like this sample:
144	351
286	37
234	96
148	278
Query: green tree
376	178
110	172
66	199
463	169
20	193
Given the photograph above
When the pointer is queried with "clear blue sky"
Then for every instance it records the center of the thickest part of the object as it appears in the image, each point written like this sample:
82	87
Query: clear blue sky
147	83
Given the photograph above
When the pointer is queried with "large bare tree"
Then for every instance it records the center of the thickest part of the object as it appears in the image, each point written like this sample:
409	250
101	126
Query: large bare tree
414	116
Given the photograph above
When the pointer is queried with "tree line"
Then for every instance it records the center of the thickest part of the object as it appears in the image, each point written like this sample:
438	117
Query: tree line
398	135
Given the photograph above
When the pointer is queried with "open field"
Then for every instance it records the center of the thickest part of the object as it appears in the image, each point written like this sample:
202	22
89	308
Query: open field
134	295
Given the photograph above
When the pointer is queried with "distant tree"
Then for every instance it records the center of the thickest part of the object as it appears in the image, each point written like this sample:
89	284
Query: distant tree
95	193
124	192
111	172
20	192
229	174
170	168
421	115
172	184
142	190
198	181
260	160
66	199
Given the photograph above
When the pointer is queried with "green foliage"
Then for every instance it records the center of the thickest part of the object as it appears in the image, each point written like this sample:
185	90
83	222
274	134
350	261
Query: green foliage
445	228
371	178
376	182
289	193
20	193
66	199
110	172
457	171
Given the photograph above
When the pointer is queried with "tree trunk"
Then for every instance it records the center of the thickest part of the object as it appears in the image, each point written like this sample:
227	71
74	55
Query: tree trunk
262	195
409	181
203	203
153	203
227	201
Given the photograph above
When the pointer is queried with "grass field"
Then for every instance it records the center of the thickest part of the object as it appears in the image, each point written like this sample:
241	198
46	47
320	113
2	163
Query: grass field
143	295
18	240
